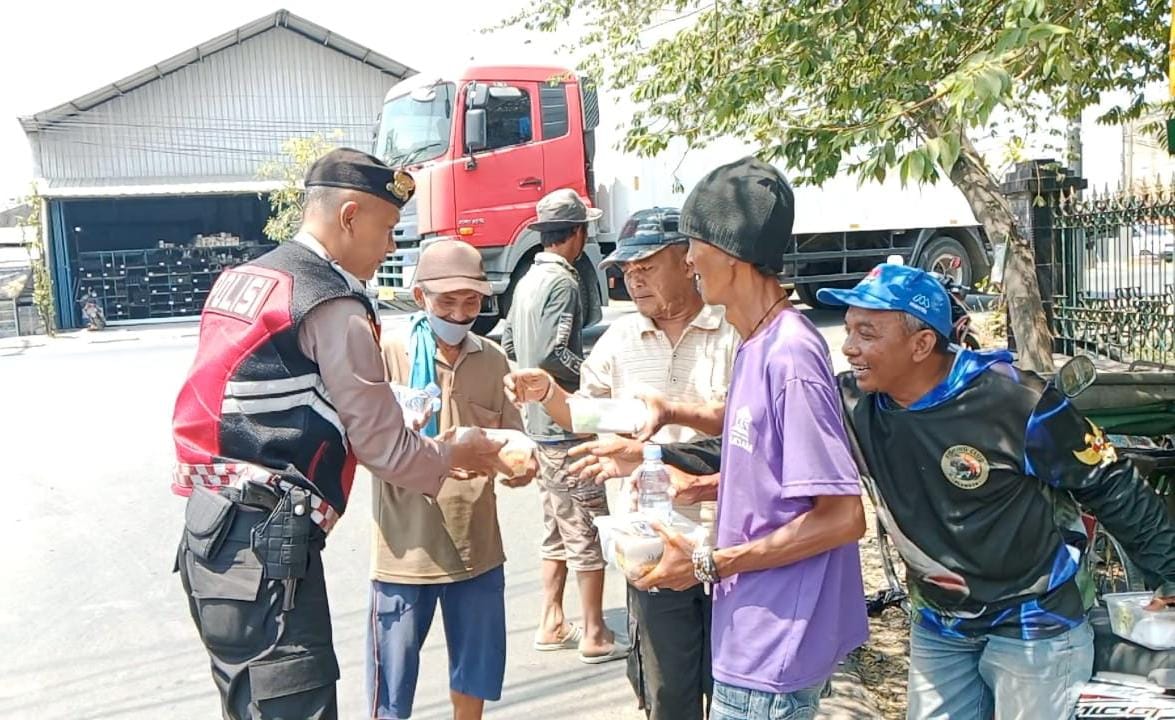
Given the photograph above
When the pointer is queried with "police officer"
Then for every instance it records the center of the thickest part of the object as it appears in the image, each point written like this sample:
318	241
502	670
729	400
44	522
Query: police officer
286	394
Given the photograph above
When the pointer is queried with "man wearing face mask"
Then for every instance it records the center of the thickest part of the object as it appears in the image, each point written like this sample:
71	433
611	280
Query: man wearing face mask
544	330
445	550
287	393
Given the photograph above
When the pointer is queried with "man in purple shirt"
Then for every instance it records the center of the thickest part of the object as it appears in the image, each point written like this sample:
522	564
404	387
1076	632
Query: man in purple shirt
788	596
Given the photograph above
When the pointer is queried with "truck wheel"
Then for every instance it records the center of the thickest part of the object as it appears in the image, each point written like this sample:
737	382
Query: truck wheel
947	256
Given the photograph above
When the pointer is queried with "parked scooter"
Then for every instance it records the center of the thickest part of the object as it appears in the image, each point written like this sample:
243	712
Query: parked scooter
1130	680
93	313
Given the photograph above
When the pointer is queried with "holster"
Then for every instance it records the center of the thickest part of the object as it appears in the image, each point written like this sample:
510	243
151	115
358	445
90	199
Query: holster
282	541
207	519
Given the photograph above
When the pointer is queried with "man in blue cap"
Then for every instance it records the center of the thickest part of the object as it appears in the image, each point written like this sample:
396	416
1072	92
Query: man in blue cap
977	465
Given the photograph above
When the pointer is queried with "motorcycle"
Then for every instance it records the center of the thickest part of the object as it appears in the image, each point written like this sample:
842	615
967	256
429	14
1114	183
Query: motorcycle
960	316
1136	410
93	313
1130	680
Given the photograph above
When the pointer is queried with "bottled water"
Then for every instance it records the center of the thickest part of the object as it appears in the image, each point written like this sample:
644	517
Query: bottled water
417	403
652	485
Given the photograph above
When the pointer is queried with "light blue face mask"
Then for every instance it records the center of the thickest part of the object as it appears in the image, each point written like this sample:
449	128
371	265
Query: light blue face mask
449	332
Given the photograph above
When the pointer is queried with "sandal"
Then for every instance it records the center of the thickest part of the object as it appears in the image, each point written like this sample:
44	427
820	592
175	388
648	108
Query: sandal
570	641
619	651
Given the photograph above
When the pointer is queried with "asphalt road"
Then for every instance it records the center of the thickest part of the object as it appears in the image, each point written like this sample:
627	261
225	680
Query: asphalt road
93	624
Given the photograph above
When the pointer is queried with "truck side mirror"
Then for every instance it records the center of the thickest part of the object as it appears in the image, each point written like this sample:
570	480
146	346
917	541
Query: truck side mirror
477	95
475	130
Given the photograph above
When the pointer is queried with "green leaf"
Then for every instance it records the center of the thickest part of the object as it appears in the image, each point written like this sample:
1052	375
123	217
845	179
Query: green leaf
934	149
988	84
1045	31
951	147
917	165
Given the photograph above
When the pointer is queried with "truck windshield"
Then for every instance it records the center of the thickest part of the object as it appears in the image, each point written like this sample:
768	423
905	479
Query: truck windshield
416	127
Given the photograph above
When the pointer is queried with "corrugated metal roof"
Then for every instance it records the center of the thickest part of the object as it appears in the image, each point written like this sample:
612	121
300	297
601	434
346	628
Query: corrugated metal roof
280	19
155	187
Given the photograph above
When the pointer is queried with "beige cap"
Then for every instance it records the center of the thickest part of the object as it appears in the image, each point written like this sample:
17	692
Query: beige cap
451	265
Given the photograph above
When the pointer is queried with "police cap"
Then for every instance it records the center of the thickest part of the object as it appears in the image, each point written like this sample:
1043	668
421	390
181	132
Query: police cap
348	168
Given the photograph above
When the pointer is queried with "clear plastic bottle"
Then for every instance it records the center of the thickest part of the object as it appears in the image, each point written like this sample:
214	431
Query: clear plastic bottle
417	403
652	485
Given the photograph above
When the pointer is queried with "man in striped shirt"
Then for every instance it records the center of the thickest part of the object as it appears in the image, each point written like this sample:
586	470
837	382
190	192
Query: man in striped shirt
678	347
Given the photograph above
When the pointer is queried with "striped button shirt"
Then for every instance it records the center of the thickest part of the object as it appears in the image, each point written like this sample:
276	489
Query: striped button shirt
634	355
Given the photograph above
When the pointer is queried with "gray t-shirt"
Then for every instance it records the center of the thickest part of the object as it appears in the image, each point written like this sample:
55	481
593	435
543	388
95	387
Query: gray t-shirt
544	329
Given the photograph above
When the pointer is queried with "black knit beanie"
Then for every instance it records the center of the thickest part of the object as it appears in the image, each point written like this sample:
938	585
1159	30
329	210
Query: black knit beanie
745	208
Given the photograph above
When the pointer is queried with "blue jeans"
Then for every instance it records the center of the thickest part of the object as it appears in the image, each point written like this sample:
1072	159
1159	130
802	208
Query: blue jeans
736	703
974	678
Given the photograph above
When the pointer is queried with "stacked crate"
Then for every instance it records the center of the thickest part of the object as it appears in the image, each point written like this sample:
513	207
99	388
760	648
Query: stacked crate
156	283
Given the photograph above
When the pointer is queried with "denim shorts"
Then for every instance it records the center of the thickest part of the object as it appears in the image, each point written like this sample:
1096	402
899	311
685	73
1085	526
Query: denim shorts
474	613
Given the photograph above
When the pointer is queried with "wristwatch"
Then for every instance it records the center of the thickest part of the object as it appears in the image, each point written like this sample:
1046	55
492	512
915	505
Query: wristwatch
705	569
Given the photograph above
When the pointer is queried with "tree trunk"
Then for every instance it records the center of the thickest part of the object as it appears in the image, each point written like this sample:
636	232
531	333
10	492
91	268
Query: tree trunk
1034	340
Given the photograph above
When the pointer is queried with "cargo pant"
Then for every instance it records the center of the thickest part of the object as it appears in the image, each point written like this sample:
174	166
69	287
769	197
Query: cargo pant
266	662
669	666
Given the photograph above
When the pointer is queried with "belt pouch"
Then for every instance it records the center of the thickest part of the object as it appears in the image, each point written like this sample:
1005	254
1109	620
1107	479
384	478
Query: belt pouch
207	519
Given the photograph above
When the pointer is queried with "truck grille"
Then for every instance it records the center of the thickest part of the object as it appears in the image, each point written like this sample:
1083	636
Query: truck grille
391	273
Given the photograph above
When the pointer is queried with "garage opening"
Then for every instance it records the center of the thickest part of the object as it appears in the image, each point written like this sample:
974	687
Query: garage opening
155	258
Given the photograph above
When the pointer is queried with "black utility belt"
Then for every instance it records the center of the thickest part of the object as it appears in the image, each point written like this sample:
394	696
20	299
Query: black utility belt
281	540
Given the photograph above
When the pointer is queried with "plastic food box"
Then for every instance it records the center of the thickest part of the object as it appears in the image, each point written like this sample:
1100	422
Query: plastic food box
1130	619
632	546
516	453
607	415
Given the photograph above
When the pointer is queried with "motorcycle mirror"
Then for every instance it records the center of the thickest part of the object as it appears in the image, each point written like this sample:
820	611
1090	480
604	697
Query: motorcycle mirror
1076	376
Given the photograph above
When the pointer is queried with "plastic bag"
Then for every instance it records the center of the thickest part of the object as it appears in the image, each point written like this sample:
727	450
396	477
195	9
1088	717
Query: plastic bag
631	545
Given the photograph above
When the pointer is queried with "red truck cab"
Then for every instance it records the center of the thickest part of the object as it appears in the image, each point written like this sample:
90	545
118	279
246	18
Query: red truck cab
484	148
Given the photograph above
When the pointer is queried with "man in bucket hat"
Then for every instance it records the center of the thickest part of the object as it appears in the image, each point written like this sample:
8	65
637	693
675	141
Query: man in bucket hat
544	330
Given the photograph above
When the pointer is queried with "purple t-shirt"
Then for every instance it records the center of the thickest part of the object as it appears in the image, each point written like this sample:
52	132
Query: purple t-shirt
784	443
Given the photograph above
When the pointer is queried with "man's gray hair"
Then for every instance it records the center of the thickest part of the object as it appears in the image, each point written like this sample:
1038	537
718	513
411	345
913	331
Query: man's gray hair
914	324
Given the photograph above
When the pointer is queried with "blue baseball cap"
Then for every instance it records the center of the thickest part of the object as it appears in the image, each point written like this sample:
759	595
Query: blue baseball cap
899	288
646	233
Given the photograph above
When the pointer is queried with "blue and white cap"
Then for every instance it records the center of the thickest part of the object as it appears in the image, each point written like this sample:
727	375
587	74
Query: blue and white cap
898	288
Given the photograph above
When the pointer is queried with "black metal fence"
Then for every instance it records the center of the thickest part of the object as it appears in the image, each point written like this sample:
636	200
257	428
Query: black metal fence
1116	291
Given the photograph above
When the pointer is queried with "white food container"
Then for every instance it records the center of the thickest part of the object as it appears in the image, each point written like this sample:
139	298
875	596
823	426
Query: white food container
633	547
1130	619
607	415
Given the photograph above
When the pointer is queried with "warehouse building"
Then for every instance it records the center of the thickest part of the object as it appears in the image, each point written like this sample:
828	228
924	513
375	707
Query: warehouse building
152	183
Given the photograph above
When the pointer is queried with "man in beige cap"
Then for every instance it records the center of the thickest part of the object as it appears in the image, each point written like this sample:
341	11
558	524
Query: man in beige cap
544	330
447	549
